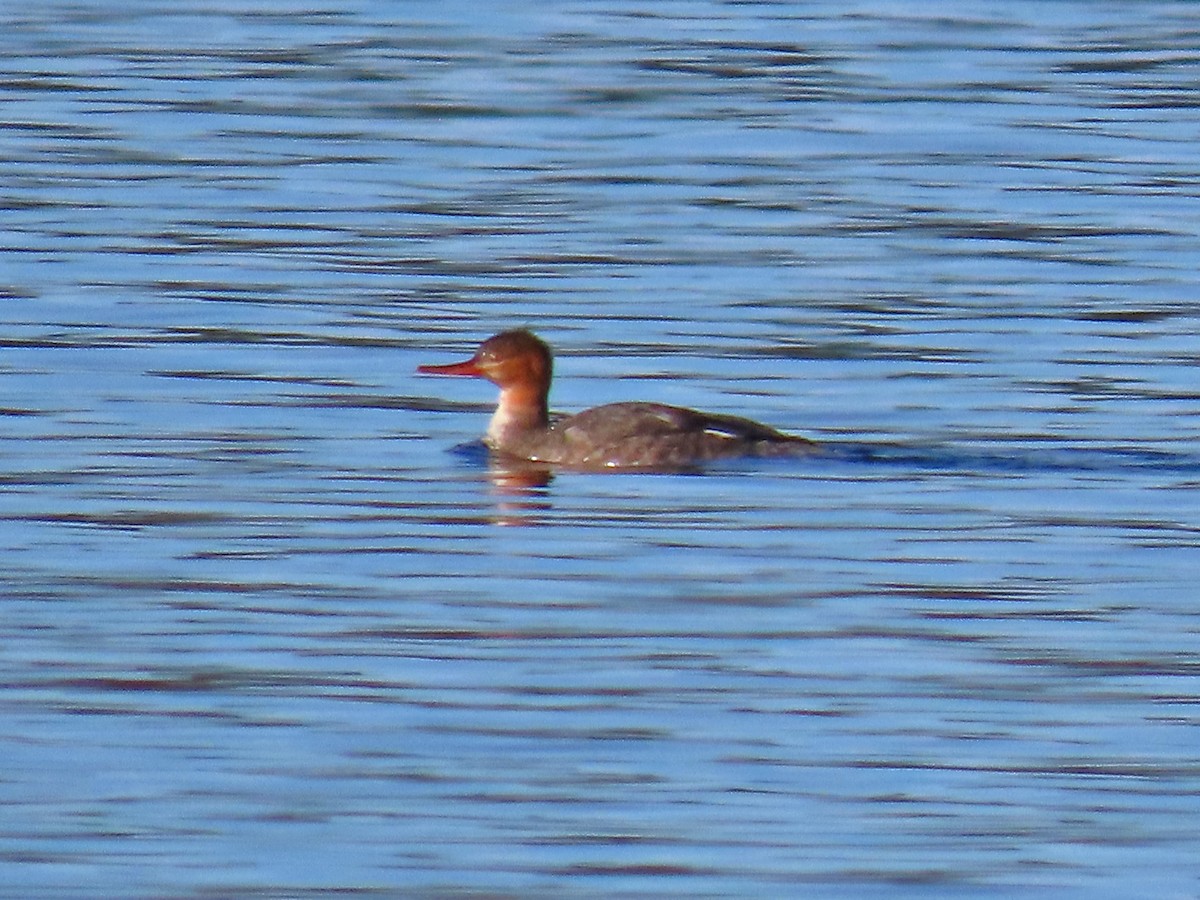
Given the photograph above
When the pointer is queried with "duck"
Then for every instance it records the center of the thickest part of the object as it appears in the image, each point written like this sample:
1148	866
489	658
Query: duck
628	436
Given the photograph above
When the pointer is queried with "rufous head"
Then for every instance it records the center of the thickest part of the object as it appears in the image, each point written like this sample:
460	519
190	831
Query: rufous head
509	359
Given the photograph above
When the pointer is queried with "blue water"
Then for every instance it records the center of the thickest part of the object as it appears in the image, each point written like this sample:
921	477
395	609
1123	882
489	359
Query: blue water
272	625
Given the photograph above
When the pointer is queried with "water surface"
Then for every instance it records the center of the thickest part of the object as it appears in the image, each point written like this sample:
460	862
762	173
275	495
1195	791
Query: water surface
267	633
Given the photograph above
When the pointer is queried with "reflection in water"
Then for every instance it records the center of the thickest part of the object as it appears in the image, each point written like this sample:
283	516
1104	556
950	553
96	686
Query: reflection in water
519	487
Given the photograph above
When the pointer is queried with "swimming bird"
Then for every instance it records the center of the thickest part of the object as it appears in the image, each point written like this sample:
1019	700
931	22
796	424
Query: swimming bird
620	436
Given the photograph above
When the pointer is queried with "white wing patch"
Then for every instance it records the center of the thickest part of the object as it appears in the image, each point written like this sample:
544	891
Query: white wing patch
728	434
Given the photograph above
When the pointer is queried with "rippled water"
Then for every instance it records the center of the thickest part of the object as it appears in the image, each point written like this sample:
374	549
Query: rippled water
268	633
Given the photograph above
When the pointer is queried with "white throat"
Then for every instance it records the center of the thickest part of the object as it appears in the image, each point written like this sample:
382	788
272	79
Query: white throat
504	422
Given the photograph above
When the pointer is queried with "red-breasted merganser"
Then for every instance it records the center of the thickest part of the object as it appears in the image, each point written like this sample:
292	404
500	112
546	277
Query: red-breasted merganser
614	436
